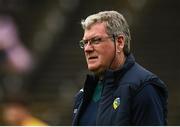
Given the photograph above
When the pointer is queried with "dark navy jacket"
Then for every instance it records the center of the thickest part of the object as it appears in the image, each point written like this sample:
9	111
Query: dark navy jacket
143	97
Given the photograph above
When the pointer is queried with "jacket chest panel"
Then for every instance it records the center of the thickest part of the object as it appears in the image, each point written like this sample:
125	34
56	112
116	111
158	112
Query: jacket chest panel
114	107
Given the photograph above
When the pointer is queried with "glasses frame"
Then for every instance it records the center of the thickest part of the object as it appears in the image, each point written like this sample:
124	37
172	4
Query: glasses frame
94	41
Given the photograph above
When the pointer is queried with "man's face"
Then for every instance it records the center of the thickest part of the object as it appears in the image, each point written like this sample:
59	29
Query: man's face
98	56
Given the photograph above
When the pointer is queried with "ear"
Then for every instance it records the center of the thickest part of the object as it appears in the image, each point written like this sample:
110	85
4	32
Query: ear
120	41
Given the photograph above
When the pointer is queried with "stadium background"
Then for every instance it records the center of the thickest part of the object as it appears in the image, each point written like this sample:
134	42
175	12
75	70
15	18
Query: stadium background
51	29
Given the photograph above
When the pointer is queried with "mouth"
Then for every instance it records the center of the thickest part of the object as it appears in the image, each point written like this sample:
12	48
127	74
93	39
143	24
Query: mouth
92	58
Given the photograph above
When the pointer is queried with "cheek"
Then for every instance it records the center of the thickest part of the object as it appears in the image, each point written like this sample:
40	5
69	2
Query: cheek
106	55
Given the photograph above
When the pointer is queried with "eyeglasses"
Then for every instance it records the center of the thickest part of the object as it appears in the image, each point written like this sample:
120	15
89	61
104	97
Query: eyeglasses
93	41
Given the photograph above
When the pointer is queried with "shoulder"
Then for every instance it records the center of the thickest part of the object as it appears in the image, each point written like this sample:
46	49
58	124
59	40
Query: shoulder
137	77
137	74
79	95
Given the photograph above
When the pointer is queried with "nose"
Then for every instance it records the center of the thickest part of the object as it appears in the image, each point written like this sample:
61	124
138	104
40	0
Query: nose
88	48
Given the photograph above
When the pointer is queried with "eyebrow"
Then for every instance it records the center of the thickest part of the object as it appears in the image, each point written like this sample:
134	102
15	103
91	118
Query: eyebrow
93	37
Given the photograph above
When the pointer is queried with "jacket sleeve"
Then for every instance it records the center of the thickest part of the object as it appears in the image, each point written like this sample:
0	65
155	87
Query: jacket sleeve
147	107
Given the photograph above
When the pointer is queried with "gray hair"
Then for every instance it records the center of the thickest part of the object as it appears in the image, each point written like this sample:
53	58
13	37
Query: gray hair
115	25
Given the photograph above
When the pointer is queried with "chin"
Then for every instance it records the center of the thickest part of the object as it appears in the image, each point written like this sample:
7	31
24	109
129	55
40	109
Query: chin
92	69
95	70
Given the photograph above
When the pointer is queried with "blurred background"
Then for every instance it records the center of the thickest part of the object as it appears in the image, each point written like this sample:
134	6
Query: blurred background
41	62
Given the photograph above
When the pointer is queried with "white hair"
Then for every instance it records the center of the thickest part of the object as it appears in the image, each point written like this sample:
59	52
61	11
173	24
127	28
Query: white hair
115	25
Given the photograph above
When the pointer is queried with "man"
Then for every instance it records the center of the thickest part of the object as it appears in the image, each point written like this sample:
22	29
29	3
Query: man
120	91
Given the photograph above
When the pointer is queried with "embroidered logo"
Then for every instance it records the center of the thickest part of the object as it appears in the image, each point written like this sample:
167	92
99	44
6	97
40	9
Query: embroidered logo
116	103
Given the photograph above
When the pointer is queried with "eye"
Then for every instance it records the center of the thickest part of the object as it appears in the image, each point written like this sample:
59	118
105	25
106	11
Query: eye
96	40
85	42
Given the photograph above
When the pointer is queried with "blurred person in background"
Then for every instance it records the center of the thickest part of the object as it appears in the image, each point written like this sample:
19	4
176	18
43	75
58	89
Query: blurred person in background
15	62
16	113
119	91
15	59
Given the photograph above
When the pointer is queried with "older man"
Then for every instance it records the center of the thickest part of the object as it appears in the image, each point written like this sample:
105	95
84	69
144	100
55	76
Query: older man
120	91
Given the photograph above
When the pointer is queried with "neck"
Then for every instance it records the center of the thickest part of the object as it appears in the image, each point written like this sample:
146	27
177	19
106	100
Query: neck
118	61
